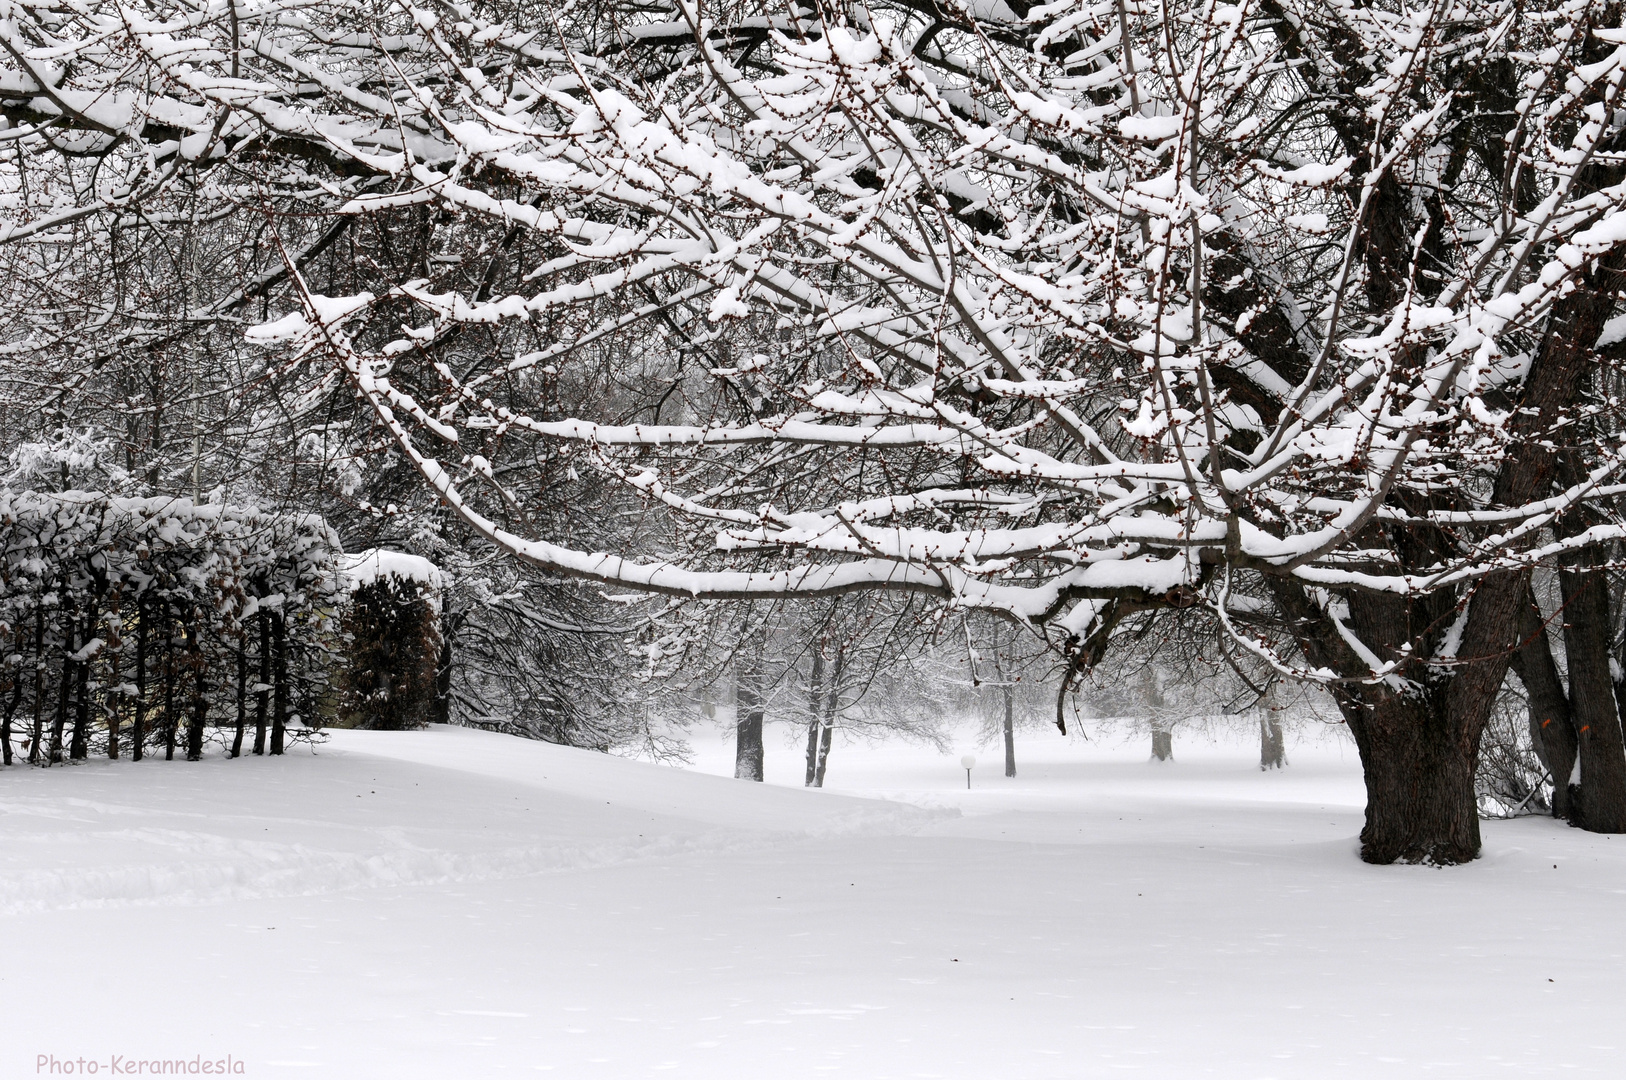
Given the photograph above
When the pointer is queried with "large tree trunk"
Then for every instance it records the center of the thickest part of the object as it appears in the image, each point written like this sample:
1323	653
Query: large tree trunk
1418	749
1602	801
1419	769
1551	728
749	708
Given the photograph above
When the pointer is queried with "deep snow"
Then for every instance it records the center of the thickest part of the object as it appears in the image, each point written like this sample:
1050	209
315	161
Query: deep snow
455	904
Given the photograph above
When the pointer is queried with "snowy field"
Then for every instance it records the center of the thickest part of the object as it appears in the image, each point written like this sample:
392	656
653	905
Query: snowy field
451	904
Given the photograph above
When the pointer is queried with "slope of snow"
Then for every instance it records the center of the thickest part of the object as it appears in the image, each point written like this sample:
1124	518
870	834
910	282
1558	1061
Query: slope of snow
456	904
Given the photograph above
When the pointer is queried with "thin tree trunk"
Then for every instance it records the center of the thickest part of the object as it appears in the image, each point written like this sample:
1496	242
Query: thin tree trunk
1162	737
749	709
242	698
170	724
138	726
1272	747
79	744
60	721
262	697
1602	802
279	709
200	688
832	703
1010	731
114	694
15	700
39	687
443	670
824	754
815	701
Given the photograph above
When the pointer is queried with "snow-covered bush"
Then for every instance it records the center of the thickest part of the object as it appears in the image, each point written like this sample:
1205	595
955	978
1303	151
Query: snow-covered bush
391	626
128	622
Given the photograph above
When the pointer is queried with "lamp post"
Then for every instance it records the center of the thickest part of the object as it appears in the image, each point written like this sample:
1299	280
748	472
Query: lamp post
968	763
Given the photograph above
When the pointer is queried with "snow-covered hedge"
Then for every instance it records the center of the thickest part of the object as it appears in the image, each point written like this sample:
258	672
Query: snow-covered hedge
125	620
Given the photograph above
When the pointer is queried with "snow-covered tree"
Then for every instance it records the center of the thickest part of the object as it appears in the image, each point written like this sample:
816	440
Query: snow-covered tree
1296	317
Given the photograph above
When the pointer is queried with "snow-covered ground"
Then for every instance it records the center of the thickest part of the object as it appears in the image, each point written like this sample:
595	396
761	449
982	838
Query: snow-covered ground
457	905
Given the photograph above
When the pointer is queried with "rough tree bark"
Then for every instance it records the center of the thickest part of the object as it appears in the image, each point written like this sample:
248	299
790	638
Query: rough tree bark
1421	805
1415	758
